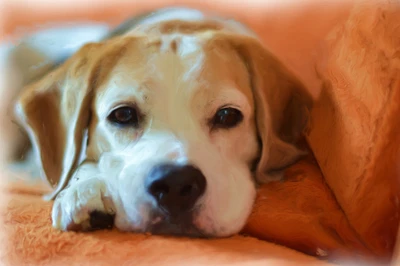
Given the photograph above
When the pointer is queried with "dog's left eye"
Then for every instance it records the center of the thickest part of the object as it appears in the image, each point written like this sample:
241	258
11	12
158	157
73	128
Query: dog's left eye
124	116
226	118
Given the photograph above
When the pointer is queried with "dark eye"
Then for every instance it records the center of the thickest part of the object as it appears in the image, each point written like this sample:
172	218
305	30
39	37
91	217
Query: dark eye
227	118
125	116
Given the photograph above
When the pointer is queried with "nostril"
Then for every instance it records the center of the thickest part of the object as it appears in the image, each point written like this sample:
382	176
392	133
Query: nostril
159	190
187	190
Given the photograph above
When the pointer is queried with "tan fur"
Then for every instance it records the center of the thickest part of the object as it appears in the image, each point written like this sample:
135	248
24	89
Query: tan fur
187	28
57	108
282	105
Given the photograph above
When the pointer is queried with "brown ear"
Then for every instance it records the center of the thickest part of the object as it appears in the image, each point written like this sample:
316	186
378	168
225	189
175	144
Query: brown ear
55	113
282	107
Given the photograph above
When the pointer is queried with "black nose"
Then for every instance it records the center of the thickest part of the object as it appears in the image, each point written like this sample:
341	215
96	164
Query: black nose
176	188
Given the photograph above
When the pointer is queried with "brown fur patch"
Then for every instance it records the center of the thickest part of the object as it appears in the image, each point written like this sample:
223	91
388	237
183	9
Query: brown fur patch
186	27
174	45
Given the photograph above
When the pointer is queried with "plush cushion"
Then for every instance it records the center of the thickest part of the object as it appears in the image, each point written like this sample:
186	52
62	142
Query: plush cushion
348	209
355	133
32	241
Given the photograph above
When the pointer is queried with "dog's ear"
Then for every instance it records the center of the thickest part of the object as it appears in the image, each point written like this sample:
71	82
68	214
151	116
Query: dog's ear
282	106
55	112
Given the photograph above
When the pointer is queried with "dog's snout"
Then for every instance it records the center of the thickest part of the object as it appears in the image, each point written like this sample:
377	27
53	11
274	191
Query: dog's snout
176	188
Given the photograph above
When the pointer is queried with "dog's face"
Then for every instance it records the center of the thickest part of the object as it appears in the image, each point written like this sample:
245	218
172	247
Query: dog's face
180	126
166	106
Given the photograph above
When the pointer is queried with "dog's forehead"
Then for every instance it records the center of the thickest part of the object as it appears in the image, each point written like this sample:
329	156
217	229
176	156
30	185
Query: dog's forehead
173	64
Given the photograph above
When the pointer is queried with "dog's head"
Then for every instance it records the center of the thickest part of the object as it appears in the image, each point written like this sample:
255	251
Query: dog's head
182	126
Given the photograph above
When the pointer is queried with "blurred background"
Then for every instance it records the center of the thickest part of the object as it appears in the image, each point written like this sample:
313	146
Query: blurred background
42	32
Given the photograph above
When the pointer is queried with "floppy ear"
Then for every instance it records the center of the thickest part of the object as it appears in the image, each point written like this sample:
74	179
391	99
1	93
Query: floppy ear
282	106
55	112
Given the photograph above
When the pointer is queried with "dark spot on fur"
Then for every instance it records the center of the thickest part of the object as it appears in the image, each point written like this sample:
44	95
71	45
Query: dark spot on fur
100	220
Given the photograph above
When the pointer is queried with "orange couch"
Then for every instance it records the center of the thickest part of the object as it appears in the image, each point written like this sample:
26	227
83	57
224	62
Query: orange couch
339	204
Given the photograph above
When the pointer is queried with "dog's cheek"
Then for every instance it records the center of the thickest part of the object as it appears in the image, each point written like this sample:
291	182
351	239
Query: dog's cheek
228	202
244	146
237	146
134	204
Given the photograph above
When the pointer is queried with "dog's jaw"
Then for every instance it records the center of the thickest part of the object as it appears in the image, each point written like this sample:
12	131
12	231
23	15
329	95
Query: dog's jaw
221	211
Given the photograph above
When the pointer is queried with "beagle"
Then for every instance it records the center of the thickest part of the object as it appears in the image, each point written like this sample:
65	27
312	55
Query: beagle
166	126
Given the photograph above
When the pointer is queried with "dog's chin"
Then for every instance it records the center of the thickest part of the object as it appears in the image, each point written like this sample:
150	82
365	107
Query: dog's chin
176	229
181	226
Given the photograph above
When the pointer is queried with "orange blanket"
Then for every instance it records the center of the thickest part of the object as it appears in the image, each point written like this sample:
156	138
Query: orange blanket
350	208
31	240
356	131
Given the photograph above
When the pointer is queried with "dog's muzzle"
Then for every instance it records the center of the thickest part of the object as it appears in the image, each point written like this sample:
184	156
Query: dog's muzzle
176	190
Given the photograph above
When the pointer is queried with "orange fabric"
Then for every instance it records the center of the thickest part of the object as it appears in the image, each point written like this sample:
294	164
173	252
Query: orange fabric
355	132
292	30
32	241
396	253
302	213
350	209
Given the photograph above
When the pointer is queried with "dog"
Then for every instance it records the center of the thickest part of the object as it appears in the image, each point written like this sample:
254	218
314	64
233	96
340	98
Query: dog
166	126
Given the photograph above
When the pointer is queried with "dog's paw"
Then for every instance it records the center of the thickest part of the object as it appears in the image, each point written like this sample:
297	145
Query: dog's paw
85	205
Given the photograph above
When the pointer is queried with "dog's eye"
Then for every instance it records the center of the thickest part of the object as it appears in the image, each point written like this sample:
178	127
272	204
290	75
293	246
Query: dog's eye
124	116
227	118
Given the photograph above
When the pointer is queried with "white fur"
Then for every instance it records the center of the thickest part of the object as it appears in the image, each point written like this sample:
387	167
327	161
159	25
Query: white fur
188	14
81	198
177	107
166	14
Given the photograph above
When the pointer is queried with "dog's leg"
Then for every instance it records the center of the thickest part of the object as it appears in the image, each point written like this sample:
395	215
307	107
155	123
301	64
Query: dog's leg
85	204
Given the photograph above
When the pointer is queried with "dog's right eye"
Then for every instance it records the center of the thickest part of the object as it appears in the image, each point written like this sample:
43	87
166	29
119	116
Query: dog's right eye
226	118
124	116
